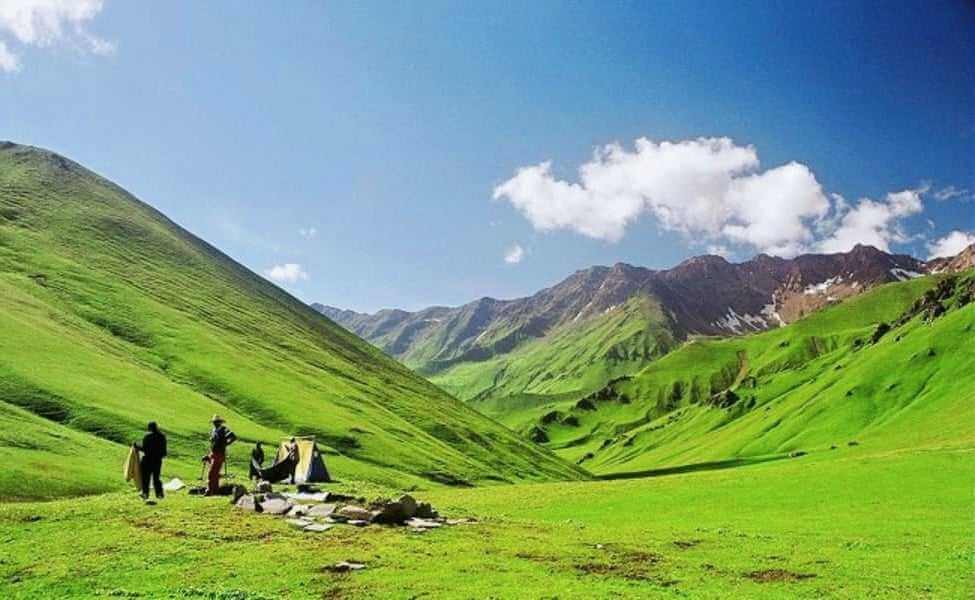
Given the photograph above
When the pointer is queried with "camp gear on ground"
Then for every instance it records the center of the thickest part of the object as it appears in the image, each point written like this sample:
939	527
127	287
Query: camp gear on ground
174	484
131	469
311	464
151	468
213	475
279	471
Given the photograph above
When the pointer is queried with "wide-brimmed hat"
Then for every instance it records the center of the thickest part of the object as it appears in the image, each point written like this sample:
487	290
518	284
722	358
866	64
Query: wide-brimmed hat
217	419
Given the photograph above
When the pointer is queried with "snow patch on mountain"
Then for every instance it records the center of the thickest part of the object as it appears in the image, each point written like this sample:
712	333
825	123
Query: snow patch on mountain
904	274
735	322
821	288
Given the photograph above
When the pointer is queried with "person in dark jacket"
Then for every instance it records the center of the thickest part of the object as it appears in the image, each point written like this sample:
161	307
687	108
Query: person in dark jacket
153	450
257	461
220	438
293	457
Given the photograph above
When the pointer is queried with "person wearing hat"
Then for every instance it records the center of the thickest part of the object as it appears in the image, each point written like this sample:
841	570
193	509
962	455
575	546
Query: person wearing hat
220	438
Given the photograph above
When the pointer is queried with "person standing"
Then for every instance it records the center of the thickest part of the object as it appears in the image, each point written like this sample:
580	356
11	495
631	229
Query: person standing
257	461
220	438
293	457
153	450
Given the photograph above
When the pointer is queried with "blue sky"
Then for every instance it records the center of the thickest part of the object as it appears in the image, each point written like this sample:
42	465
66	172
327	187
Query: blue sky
371	151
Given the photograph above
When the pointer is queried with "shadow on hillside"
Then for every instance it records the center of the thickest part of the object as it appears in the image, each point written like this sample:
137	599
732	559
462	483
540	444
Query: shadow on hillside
693	468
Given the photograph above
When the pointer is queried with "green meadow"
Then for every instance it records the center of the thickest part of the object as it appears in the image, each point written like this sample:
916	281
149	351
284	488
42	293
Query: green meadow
834	457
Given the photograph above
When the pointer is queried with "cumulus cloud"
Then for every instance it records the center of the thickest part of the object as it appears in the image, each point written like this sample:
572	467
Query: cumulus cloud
46	23
308	232
874	222
514	254
709	189
286	273
951	244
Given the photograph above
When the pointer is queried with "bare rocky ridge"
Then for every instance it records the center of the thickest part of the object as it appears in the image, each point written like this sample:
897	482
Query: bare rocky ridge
704	295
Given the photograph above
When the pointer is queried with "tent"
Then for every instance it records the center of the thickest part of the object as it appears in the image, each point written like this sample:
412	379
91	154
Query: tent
311	465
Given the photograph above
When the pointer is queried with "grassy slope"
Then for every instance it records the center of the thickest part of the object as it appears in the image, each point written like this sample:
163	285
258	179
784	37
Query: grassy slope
802	387
112	315
854	523
576	358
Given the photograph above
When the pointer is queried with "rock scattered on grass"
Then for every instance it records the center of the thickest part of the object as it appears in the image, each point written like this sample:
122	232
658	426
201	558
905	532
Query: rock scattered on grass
345	566
320	517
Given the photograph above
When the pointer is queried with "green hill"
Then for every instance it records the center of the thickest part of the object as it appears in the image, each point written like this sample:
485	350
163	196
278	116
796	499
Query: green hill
575	359
111	315
835	377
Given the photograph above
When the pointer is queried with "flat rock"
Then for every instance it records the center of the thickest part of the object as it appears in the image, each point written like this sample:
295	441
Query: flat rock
356	513
321	510
357	522
318	527
298	510
275	506
345	566
307	497
299	523
248	502
458	521
423	523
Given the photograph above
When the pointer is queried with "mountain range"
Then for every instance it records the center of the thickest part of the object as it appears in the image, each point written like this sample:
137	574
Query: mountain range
605	322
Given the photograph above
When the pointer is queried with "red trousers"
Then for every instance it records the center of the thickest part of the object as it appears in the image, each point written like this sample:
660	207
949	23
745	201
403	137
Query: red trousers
213	475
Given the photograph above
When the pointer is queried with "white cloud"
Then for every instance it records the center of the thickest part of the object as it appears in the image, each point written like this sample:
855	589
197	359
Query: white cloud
719	250
951	192
951	244
514	254
308	232
46	23
711	190
873	222
9	62
707	187
286	273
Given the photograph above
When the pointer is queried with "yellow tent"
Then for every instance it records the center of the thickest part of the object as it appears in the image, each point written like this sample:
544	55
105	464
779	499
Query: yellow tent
311	465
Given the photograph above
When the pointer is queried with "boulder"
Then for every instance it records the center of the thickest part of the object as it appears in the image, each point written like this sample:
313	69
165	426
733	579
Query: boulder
318	527
298	510
396	512
321	510
275	504
352	512
248	502
425	511
237	493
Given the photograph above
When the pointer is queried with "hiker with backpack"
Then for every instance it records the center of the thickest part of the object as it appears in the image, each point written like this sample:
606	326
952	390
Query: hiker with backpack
153	449
220	438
